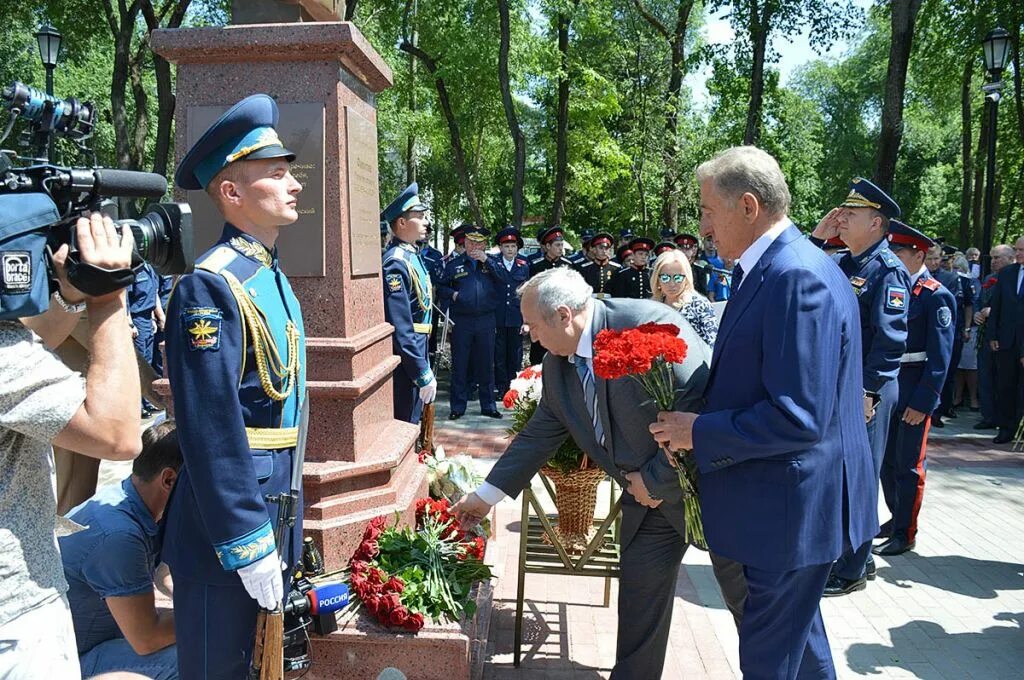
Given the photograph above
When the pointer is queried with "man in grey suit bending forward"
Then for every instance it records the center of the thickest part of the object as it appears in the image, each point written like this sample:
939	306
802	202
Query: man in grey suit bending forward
564	318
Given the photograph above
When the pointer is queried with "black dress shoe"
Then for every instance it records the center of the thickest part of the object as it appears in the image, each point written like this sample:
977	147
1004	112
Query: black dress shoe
837	585
1003	437
951	413
492	414
937	422
894	546
454	416
884	531
985	425
870	569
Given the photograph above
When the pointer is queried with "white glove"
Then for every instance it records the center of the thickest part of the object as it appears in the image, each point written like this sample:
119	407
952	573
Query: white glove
428	392
262	580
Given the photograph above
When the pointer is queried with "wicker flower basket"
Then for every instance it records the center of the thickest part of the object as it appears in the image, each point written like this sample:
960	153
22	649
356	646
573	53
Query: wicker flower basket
575	499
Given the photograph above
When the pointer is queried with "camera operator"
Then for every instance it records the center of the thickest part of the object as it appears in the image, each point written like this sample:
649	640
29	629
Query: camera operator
42	402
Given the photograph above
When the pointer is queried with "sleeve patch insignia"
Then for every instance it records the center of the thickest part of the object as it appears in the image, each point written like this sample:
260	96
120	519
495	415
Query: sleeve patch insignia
895	298
202	328
394	282
945	317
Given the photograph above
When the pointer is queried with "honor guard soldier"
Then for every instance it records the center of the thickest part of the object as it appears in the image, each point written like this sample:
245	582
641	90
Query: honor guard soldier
623	256
923	368
408	295
472	288
236	359
626	237
882	286
512	271
690	246
634	281
552	244
599	269
580	256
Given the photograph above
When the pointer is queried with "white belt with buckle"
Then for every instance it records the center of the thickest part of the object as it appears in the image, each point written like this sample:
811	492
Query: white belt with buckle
913	357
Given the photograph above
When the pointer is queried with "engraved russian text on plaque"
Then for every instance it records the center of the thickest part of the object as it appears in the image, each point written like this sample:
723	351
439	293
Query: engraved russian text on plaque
363	194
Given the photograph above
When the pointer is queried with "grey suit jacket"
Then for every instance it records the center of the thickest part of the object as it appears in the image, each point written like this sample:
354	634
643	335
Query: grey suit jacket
625	410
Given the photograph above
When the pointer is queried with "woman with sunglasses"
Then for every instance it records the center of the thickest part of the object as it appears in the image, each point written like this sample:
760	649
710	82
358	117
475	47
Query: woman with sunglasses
672	283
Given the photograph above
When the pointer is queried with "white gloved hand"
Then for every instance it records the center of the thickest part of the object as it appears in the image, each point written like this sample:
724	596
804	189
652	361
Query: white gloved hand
262	580
428	392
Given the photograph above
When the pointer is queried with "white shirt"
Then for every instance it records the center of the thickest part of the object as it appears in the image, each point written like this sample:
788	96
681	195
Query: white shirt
508	263
915	277
491	494
750	257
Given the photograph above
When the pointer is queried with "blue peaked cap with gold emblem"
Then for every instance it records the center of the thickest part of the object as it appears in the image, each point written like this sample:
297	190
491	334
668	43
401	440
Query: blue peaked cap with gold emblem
407	201
245	132
864	194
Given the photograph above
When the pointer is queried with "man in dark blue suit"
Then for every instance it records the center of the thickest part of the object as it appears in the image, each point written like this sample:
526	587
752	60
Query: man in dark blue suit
511	271
786	479
1006	339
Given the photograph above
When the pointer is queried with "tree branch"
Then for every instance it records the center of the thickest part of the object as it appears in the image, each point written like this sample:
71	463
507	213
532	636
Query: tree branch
652	20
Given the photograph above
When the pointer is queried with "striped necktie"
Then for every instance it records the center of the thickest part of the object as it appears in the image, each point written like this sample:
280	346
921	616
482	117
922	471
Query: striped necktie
590	395
737	279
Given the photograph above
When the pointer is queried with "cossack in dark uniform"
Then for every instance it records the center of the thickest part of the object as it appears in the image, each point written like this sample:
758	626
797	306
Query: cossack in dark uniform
473	291
625	237
580	256
923	368
543	264
236	359
663	247
599	274
689	244
882	286
508	341
408	295
633	281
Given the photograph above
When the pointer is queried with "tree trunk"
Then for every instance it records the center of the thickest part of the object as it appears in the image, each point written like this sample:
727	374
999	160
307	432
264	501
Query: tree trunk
561	124
759	41
518	138
350	10
904	14
122	26
966	100
461	167
165	97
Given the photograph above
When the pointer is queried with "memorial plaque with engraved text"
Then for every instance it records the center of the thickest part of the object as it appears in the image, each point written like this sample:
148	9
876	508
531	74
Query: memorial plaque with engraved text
363	194
301	245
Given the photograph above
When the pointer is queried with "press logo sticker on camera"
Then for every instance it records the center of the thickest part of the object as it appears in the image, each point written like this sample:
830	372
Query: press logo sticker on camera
17	271
202	328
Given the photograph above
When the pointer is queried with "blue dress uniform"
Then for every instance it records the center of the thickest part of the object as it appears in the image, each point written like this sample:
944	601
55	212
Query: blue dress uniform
473	313
408	298
236	359
923	368
599	275
955	285
142	296
508	339
882	286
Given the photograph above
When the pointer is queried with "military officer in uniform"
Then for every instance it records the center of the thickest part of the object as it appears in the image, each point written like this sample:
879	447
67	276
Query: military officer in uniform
472	288
236	359
599	269
623	256
512	271
689	244
923	368
939	265
626	237
552	244
882	286
408	296
634	281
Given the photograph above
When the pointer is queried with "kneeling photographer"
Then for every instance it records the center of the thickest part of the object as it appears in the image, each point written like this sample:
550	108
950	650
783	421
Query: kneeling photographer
42	402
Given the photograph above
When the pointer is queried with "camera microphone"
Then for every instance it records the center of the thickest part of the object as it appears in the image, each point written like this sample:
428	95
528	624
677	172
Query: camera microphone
111	182
325	598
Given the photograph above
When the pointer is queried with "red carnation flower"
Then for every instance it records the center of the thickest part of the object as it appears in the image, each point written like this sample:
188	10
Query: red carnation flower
510	399
395	585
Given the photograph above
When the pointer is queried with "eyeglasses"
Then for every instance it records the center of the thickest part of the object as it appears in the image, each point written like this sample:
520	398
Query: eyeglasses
678	278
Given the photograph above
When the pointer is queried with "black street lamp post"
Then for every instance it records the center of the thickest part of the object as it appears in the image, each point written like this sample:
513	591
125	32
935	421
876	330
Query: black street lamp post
996	47
49	51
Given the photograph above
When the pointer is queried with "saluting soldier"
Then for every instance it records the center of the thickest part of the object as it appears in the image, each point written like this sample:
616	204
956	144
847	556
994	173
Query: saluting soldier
552	245
882	286
634	281
236	358
512	271
408	295
472	288
599	270
923	368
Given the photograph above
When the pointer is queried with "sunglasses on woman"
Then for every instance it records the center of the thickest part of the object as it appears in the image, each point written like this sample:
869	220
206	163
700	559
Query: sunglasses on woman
678	278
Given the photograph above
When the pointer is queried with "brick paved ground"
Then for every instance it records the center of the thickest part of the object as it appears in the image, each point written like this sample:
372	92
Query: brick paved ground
954	608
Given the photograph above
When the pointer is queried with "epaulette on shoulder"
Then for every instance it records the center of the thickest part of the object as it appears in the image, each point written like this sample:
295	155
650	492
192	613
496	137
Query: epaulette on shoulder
217	259
931	284
588	263
614	264
889	258
521	261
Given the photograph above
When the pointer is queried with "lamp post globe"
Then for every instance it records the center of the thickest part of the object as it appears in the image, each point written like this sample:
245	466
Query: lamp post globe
49	51
996	47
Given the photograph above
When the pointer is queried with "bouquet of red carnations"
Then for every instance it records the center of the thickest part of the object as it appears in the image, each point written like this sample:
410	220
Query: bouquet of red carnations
403	576
646	354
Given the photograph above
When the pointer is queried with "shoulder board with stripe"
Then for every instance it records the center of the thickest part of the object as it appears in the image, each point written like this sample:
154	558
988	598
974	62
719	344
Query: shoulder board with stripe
931	284
217	259
889	258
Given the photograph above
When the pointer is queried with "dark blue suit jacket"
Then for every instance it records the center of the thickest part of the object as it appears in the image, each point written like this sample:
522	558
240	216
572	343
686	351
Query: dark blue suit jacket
1006	322
786	472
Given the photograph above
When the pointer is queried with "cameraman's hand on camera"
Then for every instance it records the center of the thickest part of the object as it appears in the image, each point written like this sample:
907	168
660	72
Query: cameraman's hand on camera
100	245
262	580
